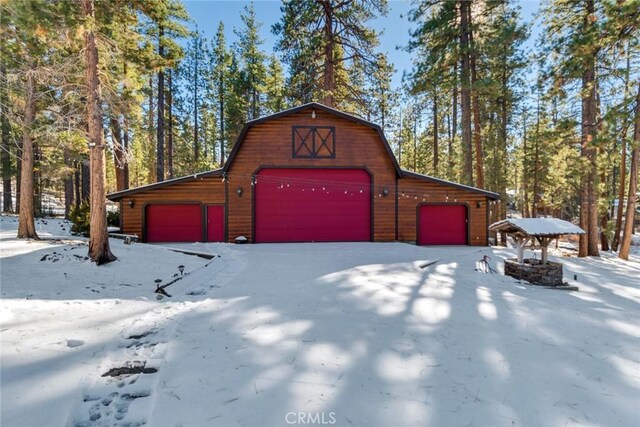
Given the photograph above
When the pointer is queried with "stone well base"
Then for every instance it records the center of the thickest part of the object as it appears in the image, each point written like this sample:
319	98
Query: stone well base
549	274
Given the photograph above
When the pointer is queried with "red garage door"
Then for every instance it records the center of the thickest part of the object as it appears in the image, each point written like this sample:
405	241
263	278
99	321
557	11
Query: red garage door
442	225
173	223
312	205
215	224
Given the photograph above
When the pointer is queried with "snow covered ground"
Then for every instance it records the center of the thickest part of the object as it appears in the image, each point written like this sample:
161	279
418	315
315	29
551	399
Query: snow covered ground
344	334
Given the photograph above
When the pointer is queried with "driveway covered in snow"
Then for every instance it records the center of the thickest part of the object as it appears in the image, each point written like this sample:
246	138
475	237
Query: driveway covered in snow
343	334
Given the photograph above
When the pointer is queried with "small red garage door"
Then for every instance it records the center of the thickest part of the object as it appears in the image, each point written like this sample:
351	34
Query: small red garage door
442	225
173	223
312	205
215	223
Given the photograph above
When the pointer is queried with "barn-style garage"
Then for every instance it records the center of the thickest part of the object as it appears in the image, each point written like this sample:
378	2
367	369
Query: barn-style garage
308	174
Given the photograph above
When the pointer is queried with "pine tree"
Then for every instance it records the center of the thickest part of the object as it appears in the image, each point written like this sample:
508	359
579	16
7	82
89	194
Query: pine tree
167	19
252	60
5	145
99	251
575	39
236	102
384	99
310	34
505	63
274	86
219	85
194	76
632	196
29	35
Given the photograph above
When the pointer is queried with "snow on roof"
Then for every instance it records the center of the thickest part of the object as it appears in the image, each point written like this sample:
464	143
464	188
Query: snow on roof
537	226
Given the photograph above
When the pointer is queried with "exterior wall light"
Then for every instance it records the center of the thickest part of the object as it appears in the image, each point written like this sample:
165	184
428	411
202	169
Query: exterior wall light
385	192
239	191
313	114
132	203
478	205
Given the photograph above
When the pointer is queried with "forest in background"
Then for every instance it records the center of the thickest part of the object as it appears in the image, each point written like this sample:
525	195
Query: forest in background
124	87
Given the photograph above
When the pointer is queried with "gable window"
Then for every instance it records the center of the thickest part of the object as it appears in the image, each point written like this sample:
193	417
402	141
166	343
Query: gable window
313	142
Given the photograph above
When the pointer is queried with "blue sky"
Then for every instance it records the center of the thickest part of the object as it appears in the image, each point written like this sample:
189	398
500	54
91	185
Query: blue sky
395	27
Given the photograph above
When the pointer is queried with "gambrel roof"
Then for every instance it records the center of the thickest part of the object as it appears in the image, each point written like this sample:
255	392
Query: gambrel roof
312	106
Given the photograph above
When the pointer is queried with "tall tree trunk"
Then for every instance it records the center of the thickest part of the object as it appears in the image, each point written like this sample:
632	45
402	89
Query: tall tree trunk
465	93
454	120
502	183
525	190
435	131
621	192
5	145
125	150
68	182
604	218
99	251
383	110
623	161
475	102
170	113
536	158
400	138
18	174
221	108
160	129
26	222
329	60
588	245
151	170
632	197
254	98
415	138
604	222
119	158
196	149
205	121
125	140
37	180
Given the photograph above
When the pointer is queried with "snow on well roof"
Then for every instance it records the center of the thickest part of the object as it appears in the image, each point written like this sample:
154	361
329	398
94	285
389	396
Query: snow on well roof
537	226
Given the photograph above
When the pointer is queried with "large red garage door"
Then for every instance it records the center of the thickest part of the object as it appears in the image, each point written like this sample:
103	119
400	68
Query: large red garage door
442	225
173	223
312	205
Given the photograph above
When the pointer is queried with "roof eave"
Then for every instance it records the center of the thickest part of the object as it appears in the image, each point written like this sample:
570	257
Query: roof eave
129	192
489	194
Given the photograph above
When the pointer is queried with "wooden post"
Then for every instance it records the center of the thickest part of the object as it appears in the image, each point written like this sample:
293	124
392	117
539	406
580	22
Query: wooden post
521	242
544	245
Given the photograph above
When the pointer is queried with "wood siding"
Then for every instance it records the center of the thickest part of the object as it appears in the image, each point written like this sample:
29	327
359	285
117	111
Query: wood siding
205	191
412	192
269	144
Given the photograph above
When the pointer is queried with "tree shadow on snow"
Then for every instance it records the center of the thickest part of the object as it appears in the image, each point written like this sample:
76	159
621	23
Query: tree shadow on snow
388	343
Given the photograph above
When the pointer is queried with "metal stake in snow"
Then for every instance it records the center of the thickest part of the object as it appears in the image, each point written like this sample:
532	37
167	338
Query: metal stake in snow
160	289
483	265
